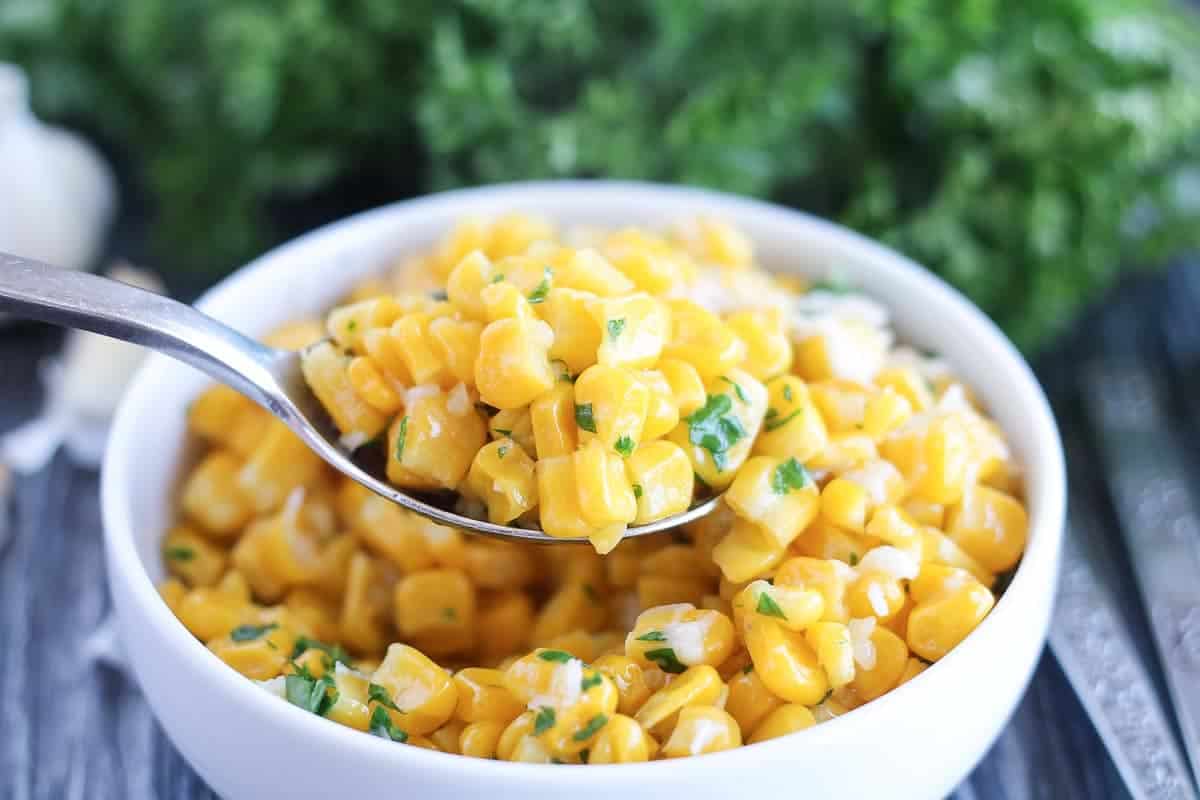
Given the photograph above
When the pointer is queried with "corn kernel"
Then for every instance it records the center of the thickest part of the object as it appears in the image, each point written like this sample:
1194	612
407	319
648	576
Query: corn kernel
793	427
513	366
747	552
687	386
435	609
784	661
778	496
882	669
611	405
281	463
662	415
421	690
483	697
633	330
192	557
718	438
989	525
698	686
213	498
325	371
629	678
621	741
700	730
749	698
678	636
662	480
700	338
552	419
795	608
433	443
786	719
504	478
480	739
455	342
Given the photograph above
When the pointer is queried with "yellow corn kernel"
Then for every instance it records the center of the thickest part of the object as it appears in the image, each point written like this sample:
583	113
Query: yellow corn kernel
390	531
313	612
937	548
513	366
604	494
886	411
620	741
256	653
366	604
831	642
577	643
574	606
347	324
192	557
749	698
480	739
721	243
588	271
558	498
483	697
687	386
677	561
747	552
446	737
172	591
794	607
784	661
212	497
434	442
469	277
629	678
421	690
698	686
611	405
227	419
700	730
504	624
909	384
792	427
552	419
504	300
325	371
575	726
503	477
435	609
680	635
912	669
823	539
700	338
281	463
891	525
633	330
456	344
778	496
212	611
369	384
718	438
499	565
934	460
277	552
883	667
352	705
946	611
842	403
843	452
827	576
513	734
645	259
768	348
378	345
411	340
989	525
875	594
514	424
786	719
659	590
662	415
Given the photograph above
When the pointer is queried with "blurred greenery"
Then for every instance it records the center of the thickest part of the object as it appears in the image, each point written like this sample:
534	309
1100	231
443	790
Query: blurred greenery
1027	150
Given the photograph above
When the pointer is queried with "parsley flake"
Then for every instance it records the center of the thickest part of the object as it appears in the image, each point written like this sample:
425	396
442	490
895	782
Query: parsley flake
248	633
746	670
588	731
560	656
584	755
828	694
615	326
333	652
352	325
584	418
502	451
715	429
789	475
625	446
381	695
538	295
854	559
666	660
439	295
737	389
768	607
499	276
401	436
503	432
544	721
383	727
637	491
314	695
179	553
787	392
772	421
589	681
652	636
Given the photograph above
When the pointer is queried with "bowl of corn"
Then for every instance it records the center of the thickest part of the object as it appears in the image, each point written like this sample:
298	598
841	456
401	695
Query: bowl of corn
858	617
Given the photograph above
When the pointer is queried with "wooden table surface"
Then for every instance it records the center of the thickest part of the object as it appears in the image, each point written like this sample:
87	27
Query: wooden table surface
75	726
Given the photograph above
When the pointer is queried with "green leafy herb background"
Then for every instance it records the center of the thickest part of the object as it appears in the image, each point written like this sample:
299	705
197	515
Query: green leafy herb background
1027	150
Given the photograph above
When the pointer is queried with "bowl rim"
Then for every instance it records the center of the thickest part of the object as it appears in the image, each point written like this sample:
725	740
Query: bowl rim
1047	498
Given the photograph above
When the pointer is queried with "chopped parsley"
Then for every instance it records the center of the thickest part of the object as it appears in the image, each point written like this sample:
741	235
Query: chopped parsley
562	371
666	660
625	446
503	432
499	276
703	483
772	421
383	727
854	559
502	451
401	436
584	418
559	656
590	591
588	731
834	284
789	475
333	652
584	755
715	429
652	636
382	696
351	325
746	670
179	553
637	491
787	392
615	326
538	295
449	613
737	389
544	721
248	633
768	607
828	694
589	681
439	295
314	695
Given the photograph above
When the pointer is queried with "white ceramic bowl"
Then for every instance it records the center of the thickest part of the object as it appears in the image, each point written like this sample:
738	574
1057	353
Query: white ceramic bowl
918	741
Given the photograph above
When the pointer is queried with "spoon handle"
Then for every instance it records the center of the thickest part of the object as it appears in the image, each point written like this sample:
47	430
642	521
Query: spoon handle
76	299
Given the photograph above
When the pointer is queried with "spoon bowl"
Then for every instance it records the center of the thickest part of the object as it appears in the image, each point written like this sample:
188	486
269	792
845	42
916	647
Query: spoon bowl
270	377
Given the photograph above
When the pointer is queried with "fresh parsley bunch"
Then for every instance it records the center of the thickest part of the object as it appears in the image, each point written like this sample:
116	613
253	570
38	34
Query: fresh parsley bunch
1024	149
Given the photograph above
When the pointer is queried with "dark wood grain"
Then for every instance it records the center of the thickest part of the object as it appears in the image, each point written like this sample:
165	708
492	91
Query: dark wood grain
74	726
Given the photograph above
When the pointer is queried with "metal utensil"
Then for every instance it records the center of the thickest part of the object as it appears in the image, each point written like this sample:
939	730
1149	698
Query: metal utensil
270	377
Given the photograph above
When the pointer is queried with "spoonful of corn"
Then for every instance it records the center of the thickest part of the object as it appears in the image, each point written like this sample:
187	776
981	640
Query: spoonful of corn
582	486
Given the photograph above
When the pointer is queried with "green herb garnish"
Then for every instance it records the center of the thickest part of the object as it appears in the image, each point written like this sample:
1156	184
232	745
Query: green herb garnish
560	656
544	721
351	325
828	694
179	553
584	418
381	695
768	607
715	429
401	436
746	670
538	295
333	652
625	446
439	295
589	681
615	326
789	475
449	613
737	389
771	422
502	451
666	660
588	731
637	491
383	727
854	559
652	636
315	695
248	633
499	276
787	392
503	432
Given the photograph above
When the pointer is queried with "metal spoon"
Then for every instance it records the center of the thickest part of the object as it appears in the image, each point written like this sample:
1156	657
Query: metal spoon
269	377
